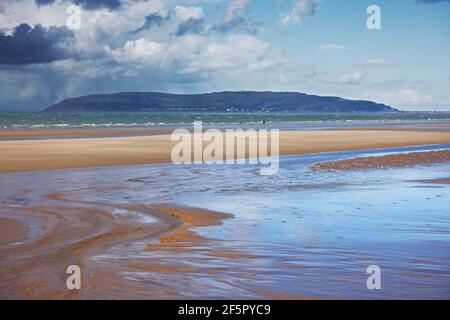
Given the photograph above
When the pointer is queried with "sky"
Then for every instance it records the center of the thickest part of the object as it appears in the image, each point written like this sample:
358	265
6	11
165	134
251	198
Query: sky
51	50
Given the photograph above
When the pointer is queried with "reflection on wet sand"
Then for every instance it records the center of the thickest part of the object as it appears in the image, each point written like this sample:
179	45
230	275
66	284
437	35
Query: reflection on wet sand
301	234
72	230
12	231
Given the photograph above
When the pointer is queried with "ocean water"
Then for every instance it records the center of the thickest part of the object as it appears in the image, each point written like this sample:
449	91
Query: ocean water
24	120
312	234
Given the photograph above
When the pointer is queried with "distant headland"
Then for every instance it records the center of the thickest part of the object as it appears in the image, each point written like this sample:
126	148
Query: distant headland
237	101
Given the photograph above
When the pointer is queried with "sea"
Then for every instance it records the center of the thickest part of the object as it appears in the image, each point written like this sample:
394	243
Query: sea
36	120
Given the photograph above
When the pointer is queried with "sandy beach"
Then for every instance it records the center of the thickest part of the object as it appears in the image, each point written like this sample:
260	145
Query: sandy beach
76	133
27	155
77	221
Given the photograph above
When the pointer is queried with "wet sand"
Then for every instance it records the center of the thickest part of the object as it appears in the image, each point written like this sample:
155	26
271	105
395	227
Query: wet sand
435	181
12	231
73	231
388	161
28	155
189	218
289	238
74	133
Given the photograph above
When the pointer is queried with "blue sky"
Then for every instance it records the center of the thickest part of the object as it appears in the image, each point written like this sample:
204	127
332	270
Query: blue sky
314	46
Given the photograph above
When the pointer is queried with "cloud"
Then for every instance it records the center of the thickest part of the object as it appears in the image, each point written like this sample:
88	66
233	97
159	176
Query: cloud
142	51
234	9
33	89
302	8
377	63
151	19
87	4
197	54
405	97
190	26
27	45
236	18
331	47
355	77
44	2
185	13
352	78
243	53
190	20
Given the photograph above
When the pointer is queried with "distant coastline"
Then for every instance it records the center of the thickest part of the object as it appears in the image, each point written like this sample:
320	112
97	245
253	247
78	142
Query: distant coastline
228	101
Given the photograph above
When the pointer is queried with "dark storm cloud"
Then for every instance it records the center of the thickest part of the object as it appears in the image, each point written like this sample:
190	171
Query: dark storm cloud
29	45
190	26
151	19
87	4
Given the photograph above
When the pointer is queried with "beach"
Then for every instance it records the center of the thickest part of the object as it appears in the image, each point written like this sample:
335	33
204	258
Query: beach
140	227
51	153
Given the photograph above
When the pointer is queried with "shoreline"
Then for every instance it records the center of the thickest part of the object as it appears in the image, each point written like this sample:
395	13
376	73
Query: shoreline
123	131
88	152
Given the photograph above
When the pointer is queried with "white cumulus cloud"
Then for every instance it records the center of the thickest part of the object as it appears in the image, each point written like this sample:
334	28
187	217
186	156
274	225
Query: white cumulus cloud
141	51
